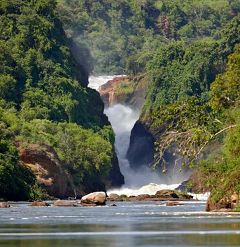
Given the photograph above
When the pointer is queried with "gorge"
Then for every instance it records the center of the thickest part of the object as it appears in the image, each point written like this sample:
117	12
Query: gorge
139	176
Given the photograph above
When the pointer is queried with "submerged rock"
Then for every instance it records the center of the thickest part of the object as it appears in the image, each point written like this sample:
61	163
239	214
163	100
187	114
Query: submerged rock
172	204
95	198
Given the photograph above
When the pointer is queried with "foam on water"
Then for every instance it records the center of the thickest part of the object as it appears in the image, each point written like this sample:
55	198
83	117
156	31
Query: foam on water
200	197
149	189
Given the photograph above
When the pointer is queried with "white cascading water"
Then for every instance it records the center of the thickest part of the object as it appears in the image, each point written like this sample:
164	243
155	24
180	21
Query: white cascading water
123	118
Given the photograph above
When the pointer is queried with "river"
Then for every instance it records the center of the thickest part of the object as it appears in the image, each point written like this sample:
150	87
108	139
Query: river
129	224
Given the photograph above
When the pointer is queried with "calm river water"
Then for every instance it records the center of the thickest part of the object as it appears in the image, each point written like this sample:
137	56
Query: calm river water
147	224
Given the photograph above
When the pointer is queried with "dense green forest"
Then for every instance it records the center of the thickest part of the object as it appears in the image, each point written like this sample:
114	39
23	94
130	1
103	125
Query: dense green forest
123	35
187	52
44	99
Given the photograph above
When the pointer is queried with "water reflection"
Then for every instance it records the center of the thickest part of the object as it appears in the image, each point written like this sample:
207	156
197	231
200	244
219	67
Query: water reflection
131	241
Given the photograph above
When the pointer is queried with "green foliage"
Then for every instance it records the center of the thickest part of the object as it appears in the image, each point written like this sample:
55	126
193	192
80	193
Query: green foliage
221	172
120	33
44	99
36	61
15	179
225	89
178	71
86	155
125	89
37	193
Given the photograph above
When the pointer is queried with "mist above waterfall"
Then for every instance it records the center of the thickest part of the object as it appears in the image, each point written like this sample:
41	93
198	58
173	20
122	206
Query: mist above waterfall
123	119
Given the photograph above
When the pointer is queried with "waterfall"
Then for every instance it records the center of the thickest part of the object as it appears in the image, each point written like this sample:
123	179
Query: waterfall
123	118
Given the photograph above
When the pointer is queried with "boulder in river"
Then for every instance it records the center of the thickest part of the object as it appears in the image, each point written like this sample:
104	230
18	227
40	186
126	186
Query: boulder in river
114	197
172	195
166	194
227	203
97	198
39	204
142	197
4	205
65	203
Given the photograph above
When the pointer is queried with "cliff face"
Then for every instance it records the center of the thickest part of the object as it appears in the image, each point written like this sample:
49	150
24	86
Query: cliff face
48	169
124	90
115	178
141	148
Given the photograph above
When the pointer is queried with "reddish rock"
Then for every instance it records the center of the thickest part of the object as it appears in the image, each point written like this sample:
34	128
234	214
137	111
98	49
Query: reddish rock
108	90
4	205
48	169
234	200
142	197
39	204
111	94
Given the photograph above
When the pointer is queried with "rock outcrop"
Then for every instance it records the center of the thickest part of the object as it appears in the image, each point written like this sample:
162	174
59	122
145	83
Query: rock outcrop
115	178
141	148
39	204
48	169
227	203
166	194
124	90
108	91
4	205
95	198
161	195
65	203
51	175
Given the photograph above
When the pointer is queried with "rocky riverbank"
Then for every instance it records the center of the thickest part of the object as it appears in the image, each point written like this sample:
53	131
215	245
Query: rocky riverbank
169	197
161	195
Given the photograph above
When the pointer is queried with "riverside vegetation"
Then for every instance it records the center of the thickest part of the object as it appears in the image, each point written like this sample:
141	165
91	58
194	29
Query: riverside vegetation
188	55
